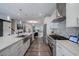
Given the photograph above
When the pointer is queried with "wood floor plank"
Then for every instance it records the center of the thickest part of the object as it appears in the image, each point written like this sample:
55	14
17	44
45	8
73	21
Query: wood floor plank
38	48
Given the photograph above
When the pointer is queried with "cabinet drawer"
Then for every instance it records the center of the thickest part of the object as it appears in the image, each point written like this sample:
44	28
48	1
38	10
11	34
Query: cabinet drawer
16	45
66	52
62	50
16	48
58	50
5	52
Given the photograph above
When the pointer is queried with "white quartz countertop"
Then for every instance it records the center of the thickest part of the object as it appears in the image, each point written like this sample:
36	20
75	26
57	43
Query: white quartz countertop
71	46
6	41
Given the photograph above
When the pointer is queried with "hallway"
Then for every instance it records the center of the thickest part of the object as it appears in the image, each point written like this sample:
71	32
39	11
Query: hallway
38	48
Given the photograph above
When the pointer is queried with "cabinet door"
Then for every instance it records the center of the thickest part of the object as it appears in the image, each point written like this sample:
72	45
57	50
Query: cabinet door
27	44
22	52
58	51
62	50
72	15
16	49
5	52
66	52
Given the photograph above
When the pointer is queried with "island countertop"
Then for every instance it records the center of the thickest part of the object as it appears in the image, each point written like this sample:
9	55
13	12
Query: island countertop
69	45
6	41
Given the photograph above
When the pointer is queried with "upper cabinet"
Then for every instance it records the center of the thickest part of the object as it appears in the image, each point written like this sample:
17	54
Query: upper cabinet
72	15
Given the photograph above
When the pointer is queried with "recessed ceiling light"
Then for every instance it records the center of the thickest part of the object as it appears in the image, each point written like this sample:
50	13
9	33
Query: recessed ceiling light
32	21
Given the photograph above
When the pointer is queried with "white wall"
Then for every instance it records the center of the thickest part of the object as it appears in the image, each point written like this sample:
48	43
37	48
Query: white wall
3	17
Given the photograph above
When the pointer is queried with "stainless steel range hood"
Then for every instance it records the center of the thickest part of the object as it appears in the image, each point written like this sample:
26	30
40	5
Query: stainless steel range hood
59	18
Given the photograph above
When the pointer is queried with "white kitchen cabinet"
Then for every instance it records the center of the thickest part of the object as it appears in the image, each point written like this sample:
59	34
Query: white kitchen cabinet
5	52
58	50
6	28
66	52
27	44
72	15
19	48
62	51
16	48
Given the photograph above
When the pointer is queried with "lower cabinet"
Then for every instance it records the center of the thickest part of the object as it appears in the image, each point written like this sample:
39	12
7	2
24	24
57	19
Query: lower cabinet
17	49
5	52
26	45
62	51
58	51
66	52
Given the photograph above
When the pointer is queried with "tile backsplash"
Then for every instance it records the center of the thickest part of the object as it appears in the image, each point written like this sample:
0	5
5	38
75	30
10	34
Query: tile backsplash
66	31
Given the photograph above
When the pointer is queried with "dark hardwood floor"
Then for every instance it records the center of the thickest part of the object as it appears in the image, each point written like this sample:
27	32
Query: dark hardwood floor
38	48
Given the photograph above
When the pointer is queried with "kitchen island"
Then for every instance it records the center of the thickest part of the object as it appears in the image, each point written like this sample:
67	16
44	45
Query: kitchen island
64	47
68	48
13	45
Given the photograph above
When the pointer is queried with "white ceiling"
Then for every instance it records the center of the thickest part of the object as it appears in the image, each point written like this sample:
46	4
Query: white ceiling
30	11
